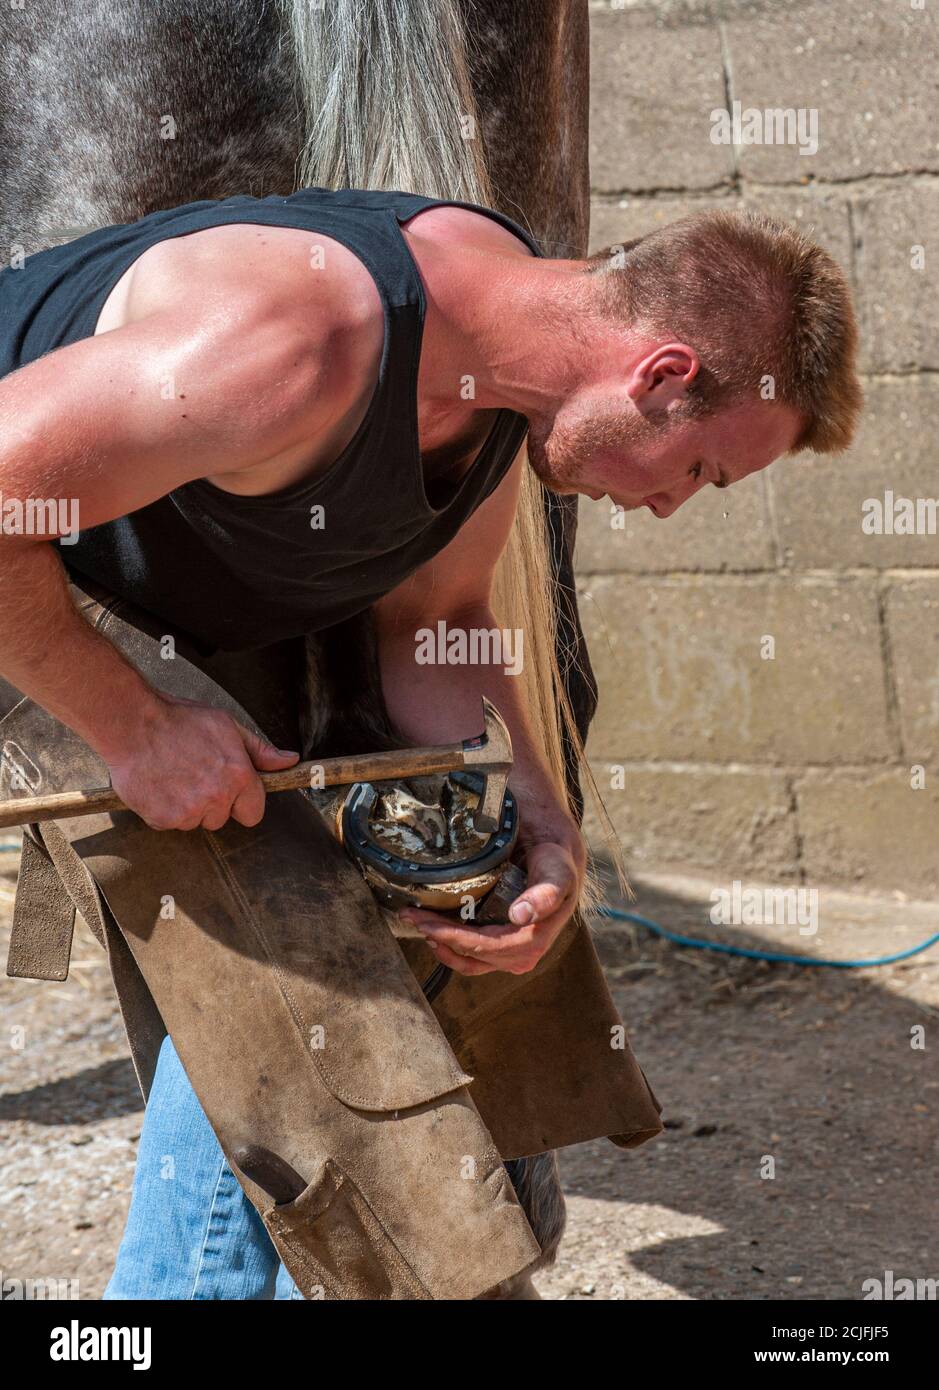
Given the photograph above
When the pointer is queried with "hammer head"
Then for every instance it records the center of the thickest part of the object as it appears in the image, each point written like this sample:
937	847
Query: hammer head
490	753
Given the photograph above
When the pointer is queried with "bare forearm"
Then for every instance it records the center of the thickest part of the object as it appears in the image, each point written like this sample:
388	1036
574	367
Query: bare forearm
50	653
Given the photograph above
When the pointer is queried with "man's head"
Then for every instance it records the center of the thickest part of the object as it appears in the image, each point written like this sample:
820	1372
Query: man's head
714	345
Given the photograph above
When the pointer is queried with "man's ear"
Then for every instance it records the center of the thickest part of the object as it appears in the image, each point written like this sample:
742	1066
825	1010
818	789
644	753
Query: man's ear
662	376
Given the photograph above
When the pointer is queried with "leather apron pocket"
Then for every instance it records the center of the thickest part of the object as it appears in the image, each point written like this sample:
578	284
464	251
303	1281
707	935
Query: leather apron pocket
342	1250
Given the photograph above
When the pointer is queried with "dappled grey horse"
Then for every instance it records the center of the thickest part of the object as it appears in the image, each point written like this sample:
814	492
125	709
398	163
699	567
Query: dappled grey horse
110	109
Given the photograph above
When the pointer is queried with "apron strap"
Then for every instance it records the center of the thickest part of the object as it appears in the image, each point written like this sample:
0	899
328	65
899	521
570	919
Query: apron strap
43	917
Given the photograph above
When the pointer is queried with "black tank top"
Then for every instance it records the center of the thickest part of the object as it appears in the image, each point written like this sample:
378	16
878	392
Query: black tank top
236	572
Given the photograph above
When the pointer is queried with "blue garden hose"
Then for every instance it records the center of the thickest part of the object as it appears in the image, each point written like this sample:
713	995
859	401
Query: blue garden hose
699	944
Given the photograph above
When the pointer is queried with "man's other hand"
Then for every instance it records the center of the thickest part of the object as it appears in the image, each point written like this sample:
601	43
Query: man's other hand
537	916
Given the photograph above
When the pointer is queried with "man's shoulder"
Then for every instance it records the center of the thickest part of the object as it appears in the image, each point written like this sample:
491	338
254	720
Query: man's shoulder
446	223
298	316
311	285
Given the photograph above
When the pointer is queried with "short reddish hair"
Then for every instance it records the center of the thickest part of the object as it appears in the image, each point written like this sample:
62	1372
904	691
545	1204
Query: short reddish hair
756	300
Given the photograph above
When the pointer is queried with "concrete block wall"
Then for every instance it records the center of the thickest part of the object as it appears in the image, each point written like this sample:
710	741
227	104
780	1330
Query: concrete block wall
803	767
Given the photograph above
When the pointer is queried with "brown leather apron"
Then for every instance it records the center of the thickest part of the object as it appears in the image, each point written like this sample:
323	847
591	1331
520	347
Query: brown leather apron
297	1014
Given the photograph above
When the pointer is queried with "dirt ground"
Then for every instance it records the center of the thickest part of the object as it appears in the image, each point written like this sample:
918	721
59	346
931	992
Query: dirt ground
811	1068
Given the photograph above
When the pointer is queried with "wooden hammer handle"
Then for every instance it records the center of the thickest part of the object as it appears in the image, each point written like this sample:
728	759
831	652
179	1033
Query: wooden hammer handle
327	772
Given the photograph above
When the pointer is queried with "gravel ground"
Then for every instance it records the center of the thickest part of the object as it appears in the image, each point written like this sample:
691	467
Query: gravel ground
812	1069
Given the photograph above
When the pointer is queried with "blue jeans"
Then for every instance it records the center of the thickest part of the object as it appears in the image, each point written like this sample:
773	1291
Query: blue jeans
191	1231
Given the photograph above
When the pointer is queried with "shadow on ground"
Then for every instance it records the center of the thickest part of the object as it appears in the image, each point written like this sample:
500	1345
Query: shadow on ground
93	1093
812	1069
808	1074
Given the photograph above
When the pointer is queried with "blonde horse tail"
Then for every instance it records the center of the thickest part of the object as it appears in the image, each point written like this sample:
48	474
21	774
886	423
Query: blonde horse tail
385	89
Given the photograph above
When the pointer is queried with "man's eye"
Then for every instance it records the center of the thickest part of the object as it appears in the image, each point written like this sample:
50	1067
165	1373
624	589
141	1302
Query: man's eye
695	470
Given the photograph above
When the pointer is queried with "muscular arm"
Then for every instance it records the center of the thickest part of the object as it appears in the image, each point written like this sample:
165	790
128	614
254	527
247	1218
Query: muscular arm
110	424
441	703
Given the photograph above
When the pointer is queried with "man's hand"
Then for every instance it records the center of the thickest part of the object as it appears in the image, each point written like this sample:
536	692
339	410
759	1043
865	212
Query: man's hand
433	703
194	766
537	916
